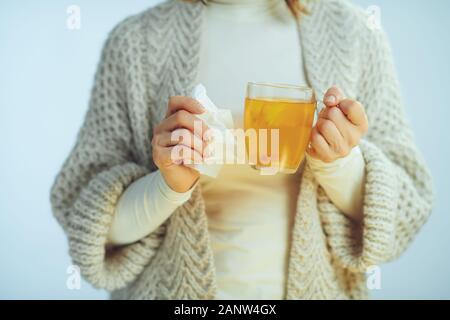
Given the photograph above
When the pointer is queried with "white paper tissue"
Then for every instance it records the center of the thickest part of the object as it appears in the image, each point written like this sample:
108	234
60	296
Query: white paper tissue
219	120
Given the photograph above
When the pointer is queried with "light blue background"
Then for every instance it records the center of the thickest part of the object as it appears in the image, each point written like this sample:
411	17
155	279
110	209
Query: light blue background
46	73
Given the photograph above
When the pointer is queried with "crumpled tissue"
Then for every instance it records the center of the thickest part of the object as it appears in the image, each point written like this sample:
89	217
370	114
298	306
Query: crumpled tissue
219	121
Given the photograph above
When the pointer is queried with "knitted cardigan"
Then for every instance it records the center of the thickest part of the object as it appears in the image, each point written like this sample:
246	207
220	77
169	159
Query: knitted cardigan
154	55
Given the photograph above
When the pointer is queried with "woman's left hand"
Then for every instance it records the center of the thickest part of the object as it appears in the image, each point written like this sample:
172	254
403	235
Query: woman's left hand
339	127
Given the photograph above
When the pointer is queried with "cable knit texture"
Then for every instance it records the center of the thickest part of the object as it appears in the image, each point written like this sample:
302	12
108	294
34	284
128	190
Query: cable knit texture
154	55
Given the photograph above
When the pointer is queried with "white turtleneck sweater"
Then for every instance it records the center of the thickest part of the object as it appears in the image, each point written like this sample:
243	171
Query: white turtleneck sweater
243	40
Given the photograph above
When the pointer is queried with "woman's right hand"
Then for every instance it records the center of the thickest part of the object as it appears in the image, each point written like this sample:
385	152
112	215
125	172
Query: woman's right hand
179	122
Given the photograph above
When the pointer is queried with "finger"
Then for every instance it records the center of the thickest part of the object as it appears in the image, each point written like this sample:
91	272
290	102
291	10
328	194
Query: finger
189	104
333	96
183	119
312	152
354	111
180	154
333	137
344	125
184	137
347	129
321	147
323	112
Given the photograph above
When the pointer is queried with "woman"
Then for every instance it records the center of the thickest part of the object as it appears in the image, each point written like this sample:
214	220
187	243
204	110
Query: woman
142	225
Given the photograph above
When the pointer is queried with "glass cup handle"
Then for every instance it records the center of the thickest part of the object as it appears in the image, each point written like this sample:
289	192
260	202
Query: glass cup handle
319	107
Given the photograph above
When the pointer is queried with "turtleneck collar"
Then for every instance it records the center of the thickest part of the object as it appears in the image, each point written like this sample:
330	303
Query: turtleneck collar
243	2
248	10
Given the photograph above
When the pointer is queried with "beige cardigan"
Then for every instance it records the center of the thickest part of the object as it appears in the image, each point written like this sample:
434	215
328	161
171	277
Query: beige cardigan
155	54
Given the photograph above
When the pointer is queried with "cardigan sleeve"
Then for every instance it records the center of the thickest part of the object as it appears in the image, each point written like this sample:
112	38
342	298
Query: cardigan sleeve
398	189
143	207
97	171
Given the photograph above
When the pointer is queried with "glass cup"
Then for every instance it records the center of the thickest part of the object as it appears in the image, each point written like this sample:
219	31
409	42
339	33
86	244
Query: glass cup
278	120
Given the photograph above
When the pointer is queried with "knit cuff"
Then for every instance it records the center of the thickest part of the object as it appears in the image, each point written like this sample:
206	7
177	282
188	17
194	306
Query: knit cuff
88	226
317	165
360	245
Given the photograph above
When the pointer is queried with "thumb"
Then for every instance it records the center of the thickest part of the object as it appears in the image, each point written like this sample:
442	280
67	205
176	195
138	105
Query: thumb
333	96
